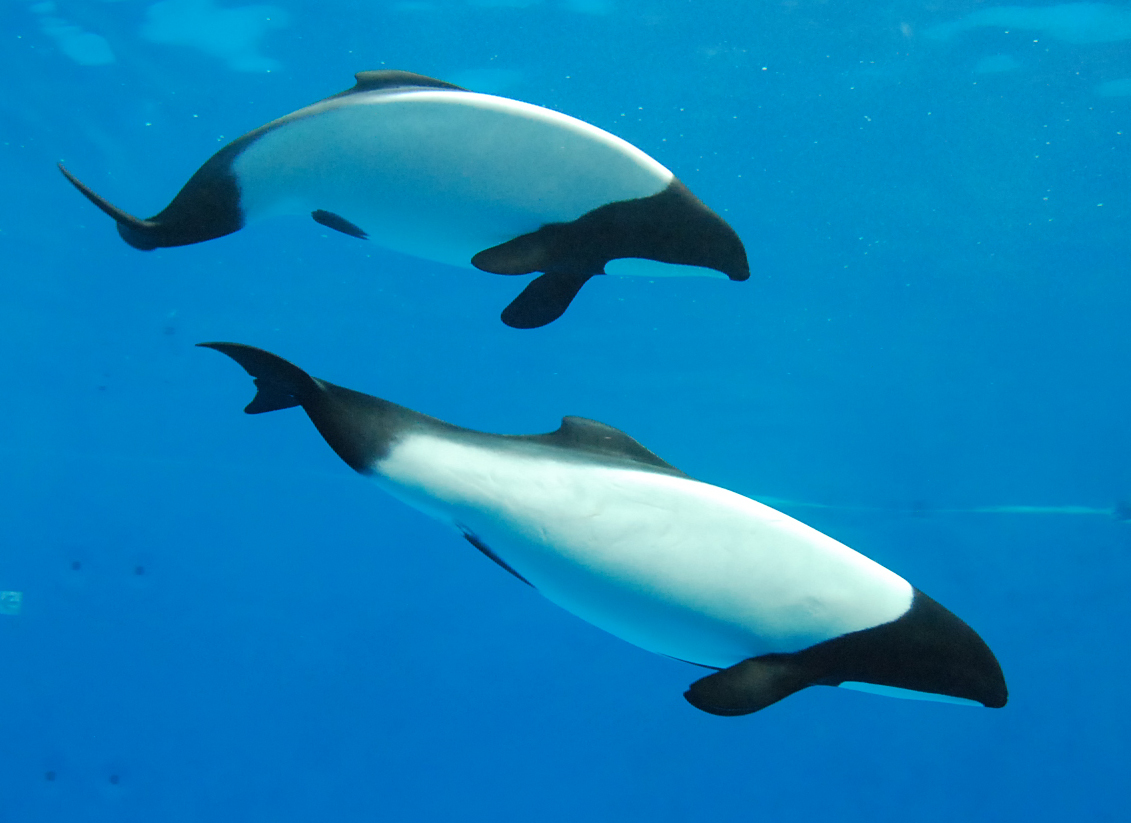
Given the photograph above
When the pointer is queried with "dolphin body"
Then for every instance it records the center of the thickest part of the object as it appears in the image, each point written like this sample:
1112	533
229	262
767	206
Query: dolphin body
435	171
607	530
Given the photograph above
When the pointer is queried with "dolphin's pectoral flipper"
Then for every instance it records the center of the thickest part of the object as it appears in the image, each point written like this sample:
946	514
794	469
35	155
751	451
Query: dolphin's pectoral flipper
749	686
547	250
544	299
281	385
339	223
490	554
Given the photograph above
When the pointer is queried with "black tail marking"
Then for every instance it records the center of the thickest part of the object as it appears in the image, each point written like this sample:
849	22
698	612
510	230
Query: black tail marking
141	234
280	384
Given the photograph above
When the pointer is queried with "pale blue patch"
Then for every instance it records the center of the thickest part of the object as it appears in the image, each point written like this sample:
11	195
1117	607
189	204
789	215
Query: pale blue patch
504	4
996	63
487	81
1115	88
597	7
232	35
906	694
84	47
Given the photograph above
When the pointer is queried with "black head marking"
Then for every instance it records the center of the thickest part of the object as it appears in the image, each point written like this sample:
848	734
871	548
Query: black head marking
927	649
672	226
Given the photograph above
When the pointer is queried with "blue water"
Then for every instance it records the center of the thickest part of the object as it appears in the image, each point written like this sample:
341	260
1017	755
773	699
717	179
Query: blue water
219	621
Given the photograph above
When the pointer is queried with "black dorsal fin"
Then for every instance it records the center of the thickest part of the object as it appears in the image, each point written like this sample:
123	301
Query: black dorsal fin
392	79
582	434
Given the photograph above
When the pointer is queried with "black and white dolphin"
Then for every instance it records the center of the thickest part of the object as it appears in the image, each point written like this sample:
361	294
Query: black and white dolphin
610	532
435	171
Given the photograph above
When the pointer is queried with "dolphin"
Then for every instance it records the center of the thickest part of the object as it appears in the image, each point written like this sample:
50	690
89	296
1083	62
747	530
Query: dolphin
604	528
474	180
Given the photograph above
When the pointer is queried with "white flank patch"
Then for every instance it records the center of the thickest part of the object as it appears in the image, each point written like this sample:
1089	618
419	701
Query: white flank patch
672	565
906	694
441	174
997	63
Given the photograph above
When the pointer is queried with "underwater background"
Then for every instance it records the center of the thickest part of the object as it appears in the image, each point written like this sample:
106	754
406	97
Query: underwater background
207	616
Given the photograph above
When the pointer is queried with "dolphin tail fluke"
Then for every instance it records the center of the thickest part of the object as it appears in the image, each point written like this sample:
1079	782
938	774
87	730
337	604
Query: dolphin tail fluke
281	385
141	234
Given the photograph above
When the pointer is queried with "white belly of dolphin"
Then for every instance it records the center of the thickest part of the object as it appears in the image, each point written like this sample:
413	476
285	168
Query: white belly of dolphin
440	174
672	565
